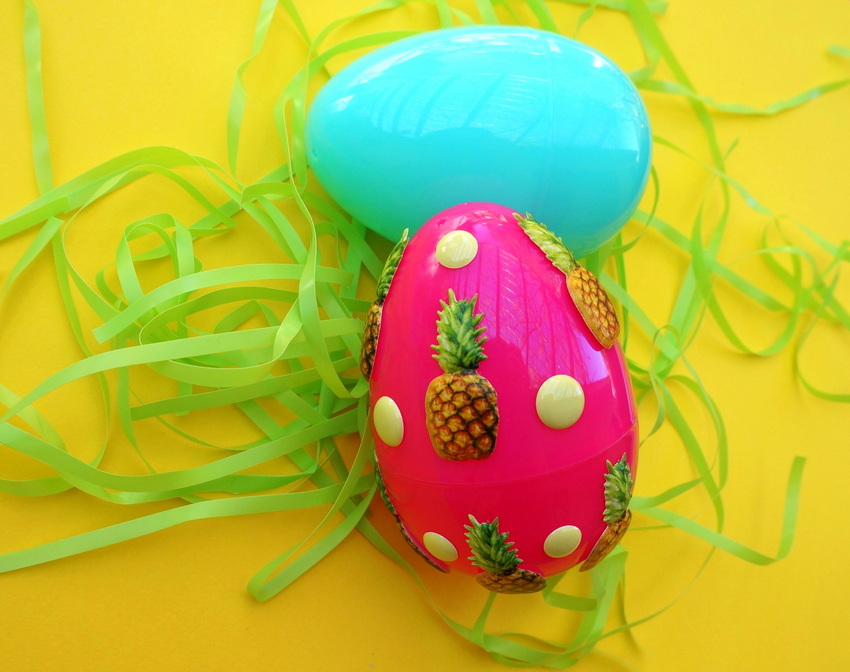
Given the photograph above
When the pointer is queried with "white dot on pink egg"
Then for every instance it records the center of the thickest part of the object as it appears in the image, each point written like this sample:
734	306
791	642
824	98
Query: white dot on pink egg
562	542
456	249
560	401
440	547
386	417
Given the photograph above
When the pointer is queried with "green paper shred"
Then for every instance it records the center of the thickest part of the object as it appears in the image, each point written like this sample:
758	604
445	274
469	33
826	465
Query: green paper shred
282	351
732	108
35	97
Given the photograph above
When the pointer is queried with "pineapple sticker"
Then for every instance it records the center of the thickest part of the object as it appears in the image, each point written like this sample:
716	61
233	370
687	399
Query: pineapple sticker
373	318
460	406
618	493
492	552
591	300
385	498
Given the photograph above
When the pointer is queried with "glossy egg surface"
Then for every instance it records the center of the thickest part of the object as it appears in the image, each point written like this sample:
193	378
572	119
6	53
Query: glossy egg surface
503	114
547	469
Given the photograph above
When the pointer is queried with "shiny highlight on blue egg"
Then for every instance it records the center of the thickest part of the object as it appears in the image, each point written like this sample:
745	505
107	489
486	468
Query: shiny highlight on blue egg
512	115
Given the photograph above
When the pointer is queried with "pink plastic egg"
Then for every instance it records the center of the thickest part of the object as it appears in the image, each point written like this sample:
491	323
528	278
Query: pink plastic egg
503	416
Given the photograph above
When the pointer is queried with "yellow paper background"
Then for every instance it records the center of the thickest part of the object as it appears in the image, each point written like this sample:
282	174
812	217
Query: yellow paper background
119	76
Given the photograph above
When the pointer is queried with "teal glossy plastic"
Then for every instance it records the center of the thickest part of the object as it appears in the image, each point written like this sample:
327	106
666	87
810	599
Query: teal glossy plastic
503	114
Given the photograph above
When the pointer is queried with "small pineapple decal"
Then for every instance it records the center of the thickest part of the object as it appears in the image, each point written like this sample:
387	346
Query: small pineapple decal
460	406
385	498
373	318
584	288
618	493
618	490
492	552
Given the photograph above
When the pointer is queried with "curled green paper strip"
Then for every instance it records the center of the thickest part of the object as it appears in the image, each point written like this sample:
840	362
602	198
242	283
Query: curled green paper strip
302	356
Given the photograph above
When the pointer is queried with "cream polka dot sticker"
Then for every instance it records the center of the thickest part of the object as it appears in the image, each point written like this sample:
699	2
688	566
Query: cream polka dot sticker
456	249
388	421
562	542
560	402
440	547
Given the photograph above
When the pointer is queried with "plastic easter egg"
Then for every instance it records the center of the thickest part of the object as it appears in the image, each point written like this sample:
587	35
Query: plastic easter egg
502	114
503	416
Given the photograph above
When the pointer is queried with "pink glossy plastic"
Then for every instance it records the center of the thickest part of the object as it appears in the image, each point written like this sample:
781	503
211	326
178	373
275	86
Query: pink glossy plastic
537	478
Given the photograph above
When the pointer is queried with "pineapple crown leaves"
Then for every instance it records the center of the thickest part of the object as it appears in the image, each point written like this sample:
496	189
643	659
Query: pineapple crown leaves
490	550
459	338
390	267
618	490
548	242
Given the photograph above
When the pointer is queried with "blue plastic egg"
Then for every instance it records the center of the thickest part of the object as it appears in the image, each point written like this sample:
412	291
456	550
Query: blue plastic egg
503	114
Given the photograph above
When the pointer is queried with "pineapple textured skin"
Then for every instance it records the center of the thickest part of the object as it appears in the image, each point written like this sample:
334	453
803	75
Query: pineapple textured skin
462	416
609	539
517	582
370	339
373	317
595	307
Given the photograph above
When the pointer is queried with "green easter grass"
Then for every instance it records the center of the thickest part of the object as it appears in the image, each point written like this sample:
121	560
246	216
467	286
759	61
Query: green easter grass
295	348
